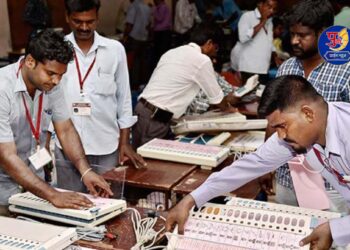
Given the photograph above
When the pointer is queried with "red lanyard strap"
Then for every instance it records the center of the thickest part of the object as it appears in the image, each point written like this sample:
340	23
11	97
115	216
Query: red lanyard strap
35	131
81	81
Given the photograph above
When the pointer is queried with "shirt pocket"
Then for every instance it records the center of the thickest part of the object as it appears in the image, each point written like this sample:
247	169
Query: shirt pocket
46	119
106	84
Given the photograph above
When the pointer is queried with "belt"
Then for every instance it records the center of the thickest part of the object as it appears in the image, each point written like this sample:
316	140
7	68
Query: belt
157	113
148	105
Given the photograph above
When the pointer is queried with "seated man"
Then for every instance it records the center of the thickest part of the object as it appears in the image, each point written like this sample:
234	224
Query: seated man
30	98
178	77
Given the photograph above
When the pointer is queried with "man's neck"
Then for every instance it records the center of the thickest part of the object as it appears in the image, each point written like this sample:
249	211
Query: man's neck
309	64
324	119
30	87
85	45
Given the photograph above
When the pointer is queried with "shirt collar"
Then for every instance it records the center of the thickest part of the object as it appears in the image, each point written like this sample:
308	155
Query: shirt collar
20	86
332	132
195	46
300	65
257	13
98	42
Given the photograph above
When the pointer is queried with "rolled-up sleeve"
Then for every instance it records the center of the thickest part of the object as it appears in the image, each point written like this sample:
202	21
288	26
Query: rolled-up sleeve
125	118
245	28
6	134
208	83
272	154
340	229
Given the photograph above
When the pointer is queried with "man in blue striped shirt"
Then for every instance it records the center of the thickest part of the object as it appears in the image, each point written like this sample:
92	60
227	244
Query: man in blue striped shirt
306	22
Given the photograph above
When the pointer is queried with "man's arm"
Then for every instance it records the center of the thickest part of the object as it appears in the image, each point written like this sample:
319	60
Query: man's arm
267	158
23	175
73	149
125	117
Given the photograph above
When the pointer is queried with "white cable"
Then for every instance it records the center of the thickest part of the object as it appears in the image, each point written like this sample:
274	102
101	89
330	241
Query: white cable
144	231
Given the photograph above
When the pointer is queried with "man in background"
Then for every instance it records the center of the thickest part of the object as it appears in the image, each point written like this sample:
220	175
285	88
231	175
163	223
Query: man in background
252	52
97	89
306	21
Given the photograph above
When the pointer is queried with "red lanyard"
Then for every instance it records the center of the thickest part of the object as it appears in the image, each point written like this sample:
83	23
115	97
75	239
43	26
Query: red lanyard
329	167
81	81
36	130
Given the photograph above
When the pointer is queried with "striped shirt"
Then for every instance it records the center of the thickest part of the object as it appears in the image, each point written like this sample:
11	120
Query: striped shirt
331	81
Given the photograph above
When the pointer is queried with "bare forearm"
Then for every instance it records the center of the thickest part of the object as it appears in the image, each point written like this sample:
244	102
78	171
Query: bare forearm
124	136
22	174
258	27
72	146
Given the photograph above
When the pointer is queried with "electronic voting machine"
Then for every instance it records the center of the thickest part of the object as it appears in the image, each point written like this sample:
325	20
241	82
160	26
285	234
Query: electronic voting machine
207	156
103	209
23	235
216	121
248	224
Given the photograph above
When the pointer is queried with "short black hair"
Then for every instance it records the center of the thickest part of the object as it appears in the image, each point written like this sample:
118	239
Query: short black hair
284	92
50	45
343	2
315	14
206	31
277	21
81	5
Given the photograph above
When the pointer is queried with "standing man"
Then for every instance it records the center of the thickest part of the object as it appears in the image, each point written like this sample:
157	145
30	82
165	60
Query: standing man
305	124
162	28
178	77
186	15
136	35
98	95
306	21
29	99
252	52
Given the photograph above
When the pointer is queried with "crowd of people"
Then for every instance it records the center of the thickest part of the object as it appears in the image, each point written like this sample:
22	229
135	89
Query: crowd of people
79	86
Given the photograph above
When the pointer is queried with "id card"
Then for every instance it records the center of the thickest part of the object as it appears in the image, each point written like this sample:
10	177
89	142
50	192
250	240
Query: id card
40	158
81	108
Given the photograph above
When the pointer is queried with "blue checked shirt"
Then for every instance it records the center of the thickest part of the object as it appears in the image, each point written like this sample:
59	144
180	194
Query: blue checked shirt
330	81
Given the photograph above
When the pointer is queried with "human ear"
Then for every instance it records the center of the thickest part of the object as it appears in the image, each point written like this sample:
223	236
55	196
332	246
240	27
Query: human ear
30	62
308	113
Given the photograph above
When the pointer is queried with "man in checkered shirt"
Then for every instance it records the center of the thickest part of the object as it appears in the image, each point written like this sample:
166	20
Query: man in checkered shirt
306	22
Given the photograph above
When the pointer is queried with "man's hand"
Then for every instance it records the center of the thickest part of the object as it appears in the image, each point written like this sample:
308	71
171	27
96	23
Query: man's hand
70	200
320	238
179	214
96	185
126	152
266	183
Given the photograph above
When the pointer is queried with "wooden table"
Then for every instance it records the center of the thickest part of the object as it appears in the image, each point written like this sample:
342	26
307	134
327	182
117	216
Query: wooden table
121	226
158	176
198	176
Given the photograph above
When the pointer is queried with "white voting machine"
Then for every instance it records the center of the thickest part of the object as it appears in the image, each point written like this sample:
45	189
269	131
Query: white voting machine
217	121
204	155
20	235
103	209
247	224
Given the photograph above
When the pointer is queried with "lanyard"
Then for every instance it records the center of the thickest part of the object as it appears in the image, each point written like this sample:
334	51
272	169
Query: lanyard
329	168
36	130
82	80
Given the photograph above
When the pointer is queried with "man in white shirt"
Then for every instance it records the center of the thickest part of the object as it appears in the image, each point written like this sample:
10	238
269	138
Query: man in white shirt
178	77
252	53
97	89
186	15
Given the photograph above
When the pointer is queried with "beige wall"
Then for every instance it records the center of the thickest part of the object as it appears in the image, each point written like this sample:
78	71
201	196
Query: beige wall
5	36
